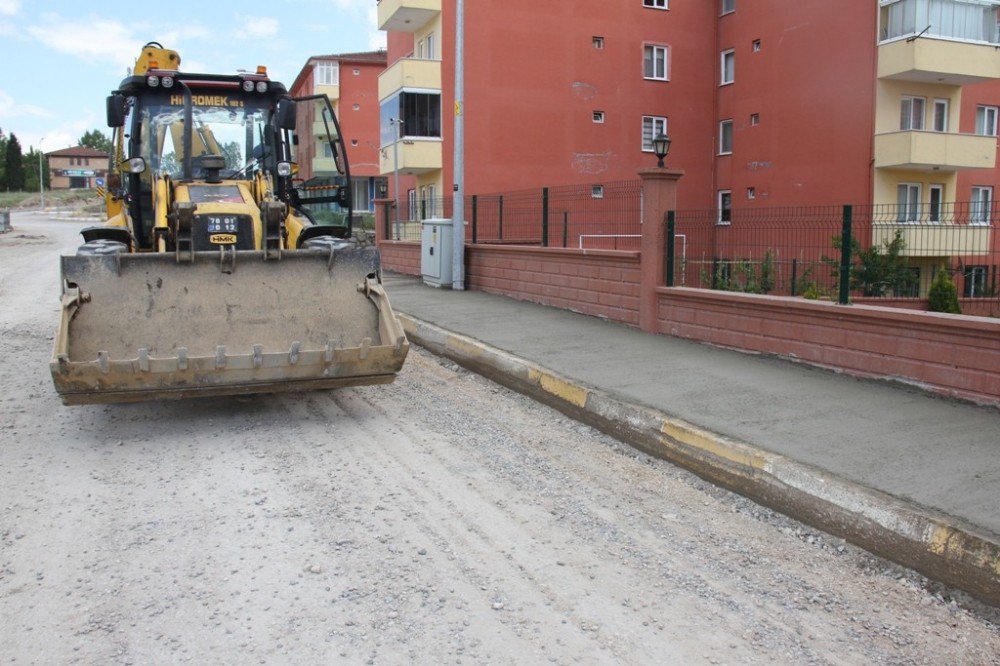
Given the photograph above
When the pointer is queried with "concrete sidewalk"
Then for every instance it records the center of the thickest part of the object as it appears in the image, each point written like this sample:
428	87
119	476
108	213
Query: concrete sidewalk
910	476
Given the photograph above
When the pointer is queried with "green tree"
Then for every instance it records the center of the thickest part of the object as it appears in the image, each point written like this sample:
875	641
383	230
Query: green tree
3	160
30	161
13	166
878	270
943	295
96	140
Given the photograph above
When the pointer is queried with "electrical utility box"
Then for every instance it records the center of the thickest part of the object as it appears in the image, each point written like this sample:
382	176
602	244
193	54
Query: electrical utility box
436	252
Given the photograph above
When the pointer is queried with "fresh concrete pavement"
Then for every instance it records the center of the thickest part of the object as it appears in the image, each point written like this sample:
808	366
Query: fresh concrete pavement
908	475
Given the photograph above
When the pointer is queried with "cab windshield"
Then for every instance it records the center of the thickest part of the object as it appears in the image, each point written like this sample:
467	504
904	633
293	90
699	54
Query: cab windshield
225	125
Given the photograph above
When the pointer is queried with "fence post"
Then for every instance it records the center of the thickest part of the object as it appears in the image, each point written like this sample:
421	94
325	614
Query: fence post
500	220
659	195
565	227
383	219
423	209
671	228
545	217
475	220
795	272
715	272
845	257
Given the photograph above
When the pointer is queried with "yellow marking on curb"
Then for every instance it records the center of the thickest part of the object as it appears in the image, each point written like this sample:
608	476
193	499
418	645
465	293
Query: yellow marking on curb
464	346
705	441
939	540
560	388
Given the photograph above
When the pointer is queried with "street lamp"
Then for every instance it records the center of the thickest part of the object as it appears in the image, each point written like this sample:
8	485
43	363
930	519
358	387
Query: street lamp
661	146
398	125
41	180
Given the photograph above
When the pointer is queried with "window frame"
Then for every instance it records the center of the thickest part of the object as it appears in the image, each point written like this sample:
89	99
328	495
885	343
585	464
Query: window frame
908	207
982	127
655	48
981	206
973	277
935	208
906	119
322	73
656	4
723	55
655	121
723	126
724	3
724	216
940	102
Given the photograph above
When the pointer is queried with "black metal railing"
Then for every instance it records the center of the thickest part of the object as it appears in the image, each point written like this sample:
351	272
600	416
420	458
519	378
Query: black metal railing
842	253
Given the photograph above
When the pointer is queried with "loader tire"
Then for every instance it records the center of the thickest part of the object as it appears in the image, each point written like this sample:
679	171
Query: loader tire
101	247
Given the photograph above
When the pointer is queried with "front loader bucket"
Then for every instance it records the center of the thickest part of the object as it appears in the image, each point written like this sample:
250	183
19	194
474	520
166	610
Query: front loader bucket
144	326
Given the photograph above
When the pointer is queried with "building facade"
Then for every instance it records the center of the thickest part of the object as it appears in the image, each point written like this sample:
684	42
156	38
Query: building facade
77	168
350	80
769	103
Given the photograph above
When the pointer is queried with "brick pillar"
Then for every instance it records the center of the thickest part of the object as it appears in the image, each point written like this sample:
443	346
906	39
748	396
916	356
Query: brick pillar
383	210
659	194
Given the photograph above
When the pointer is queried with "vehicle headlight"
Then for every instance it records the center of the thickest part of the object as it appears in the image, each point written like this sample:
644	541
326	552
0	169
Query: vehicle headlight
167	82
284	168
248	86
262	86
135	165
152	80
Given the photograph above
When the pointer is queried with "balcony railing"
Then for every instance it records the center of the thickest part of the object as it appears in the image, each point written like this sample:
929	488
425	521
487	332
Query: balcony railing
411	156
410	73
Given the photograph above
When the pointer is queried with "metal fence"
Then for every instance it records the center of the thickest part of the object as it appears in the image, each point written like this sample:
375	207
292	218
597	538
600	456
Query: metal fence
603	216
838	252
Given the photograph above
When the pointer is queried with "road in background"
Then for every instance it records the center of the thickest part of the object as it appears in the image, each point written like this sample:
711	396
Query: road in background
385	525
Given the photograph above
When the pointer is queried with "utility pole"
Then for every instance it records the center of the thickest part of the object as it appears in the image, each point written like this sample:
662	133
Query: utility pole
41	180
458	207
398	124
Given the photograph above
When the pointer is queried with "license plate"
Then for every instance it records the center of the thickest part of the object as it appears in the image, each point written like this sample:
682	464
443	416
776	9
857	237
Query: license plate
222	239
222	224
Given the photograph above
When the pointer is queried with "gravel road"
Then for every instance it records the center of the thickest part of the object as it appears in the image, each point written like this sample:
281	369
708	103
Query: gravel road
441	519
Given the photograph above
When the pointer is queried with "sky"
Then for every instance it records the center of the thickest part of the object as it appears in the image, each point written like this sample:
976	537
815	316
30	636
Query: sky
59	59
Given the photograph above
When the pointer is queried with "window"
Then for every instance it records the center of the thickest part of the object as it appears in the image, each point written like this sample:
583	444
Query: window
598	116
981	206
986	120
420	114
597	191
431	47
751	193
940	115
598	42
420	50
654	62
651	126
725	137
360	194
754	119
728	6
908	202
411	201
911	114
728	67
725	206
655	4
936	203
755	46
971	20
976	282
327	74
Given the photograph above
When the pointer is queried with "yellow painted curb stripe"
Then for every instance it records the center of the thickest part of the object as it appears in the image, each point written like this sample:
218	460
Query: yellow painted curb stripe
705	441
560	388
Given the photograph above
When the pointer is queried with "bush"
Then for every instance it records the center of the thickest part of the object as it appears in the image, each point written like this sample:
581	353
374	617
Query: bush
943	294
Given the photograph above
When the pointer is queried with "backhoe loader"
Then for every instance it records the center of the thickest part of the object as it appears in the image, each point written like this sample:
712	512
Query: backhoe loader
218	272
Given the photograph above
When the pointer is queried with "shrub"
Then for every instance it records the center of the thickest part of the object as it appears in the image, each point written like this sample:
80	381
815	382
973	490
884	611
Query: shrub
943	295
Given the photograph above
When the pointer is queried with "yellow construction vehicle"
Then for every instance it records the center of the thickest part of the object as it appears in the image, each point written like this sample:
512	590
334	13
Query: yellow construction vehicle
217	273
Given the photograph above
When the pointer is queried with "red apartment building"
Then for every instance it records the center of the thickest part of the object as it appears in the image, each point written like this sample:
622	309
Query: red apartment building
350	80
768	102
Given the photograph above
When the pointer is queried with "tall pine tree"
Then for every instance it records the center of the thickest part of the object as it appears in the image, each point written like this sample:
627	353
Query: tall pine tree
13	166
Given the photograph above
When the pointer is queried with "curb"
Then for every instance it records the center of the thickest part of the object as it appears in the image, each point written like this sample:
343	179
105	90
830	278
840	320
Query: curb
939	546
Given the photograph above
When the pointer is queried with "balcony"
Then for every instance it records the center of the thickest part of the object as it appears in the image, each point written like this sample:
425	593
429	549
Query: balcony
406	15
324	165
935	240
929	60
409	73
411	157
937	151
319	129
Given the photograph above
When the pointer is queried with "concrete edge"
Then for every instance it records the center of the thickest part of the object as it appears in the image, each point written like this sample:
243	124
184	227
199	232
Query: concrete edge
939	546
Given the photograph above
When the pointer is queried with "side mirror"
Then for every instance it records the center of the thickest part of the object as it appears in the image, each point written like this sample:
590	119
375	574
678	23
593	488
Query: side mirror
284	114
116	110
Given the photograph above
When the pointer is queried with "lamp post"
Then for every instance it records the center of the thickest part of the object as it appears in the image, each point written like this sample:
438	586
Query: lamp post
661	146
41	180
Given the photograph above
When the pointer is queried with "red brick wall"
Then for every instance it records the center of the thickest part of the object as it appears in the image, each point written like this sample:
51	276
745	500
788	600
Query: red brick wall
599	283
949	354
401	256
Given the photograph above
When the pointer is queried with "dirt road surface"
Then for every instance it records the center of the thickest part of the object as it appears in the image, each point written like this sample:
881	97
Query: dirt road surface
442	519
